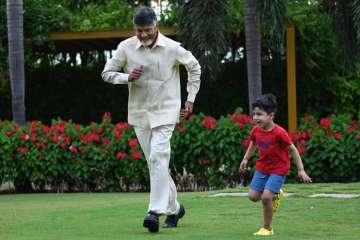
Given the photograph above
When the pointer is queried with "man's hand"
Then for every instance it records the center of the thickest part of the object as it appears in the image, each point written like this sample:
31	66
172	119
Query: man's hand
243	165
189	106
136	73
304	177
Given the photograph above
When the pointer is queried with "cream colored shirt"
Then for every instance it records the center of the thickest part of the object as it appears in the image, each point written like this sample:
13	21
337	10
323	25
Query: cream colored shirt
154	98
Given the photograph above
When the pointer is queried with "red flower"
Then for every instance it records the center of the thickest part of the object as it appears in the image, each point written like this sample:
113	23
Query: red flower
358	135
305	134
325	122
40	144
337	135
295	137
308	117
206	162
22	150
353	126
301	149
119	128
46	130
100	130
209	122
122	126
334	134
9	133
106	117
133	142
120	155
105	141
181	128
246	143
241	119
59	127
24	136
56	138
73	149
136	156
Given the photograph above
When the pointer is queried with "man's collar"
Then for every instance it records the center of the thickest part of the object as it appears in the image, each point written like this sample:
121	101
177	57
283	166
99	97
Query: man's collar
160	41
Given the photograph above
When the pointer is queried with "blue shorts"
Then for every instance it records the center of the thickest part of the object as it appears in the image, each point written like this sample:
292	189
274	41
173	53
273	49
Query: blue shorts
272	182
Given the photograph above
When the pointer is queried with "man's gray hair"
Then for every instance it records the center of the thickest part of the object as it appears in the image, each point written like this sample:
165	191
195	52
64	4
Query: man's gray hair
144	16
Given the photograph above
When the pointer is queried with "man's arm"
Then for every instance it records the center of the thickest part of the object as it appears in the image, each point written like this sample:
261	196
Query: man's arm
193	68
296	156
112	67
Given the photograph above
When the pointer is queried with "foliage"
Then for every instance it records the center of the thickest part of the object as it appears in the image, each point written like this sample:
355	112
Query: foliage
107	157
201	28
211	149
100	156
330	148
345	19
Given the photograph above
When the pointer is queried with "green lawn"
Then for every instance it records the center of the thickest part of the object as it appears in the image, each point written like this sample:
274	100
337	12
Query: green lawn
119	216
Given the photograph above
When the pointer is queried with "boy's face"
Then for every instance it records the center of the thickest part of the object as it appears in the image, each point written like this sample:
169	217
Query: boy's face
262	119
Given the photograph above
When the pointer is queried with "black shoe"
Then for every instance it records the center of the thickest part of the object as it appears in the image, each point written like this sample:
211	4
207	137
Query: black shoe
151	222
172	220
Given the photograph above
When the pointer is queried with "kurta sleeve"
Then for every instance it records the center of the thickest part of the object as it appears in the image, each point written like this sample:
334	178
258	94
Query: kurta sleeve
193	68
112	67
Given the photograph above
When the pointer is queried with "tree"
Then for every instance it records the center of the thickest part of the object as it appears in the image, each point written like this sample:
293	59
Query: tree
14	12
346	20
272	14
202	29
253	50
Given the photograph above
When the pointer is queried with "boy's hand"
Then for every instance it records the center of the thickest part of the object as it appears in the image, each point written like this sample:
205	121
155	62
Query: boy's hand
304	177
243	166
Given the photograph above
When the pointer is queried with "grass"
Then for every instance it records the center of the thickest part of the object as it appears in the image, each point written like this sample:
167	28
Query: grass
105	216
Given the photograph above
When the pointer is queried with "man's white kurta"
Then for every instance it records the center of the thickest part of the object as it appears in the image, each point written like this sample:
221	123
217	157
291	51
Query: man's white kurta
154	98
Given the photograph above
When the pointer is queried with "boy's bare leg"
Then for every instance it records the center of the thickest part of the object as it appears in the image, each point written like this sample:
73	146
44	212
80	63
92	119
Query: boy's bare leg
254	195
267	198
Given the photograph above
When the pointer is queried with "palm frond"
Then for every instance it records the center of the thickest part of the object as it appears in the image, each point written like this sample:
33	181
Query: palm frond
356	16
202	29
273	14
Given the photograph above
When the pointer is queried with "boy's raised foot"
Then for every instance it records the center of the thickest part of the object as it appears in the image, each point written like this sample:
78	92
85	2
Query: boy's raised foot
264	232
277	199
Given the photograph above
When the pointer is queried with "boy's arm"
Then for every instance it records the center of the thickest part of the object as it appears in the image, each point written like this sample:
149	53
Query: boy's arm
248	154
296	156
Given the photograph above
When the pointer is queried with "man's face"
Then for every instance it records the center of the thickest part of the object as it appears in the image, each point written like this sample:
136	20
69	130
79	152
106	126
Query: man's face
146	33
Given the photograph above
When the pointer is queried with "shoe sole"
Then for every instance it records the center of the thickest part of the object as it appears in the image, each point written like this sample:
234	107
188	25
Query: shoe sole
151	226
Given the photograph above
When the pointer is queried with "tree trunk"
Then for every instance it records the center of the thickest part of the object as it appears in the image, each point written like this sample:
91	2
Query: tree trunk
253	50
14	12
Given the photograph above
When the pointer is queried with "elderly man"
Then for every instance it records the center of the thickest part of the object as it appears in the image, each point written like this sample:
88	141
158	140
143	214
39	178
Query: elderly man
150	67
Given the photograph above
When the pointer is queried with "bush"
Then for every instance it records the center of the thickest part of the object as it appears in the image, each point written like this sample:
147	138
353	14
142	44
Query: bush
330	148
206	153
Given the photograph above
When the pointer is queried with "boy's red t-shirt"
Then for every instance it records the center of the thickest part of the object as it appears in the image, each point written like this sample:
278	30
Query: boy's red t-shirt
273	150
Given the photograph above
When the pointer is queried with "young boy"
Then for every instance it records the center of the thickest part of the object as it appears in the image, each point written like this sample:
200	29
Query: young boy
273	164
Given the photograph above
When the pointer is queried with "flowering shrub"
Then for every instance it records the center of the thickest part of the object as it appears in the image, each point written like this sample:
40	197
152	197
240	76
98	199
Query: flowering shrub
211	149
107	157
100	156
330	148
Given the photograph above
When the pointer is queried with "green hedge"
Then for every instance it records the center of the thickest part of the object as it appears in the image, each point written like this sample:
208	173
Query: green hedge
205	153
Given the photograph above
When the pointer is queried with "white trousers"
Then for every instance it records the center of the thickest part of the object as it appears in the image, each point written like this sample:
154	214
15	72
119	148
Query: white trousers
155	144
